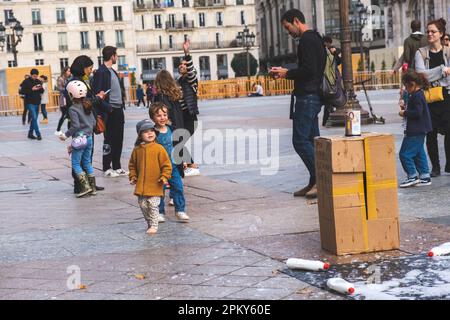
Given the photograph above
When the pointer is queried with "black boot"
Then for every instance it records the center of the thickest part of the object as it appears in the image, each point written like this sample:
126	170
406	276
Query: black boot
85	187
91	180
98	188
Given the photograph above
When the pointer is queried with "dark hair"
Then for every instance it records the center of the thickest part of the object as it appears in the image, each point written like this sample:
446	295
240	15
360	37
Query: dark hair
415	25
412	76
44	77
327	39
291	14
156	107
108	52
79	64
64	70
86	103
440	25
34	71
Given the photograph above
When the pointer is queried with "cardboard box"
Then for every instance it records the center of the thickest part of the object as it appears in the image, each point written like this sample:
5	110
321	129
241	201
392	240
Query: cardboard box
357	193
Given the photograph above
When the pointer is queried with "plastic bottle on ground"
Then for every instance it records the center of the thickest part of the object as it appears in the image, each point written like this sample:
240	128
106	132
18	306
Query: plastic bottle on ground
441	250
303	264
340	285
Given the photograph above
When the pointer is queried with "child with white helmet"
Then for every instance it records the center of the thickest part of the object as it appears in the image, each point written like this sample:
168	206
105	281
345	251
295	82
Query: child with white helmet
82	126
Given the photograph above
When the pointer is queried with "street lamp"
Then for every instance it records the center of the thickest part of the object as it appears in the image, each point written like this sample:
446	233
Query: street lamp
361	15
246	40
338	117
17	33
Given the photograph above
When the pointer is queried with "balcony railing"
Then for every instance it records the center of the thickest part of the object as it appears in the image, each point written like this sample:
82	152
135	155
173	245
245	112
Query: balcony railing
211	4
63	48
142	48
120	44
151	5
85	46
180	25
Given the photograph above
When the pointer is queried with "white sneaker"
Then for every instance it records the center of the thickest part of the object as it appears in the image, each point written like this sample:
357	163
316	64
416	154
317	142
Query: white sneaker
110	173
58	133
122	172
161	218
171	203
189	172
182	216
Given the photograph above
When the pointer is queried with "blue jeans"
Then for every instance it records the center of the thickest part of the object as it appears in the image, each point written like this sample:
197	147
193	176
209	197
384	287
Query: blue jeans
44	110
176	192
413	157
33	110
82	159
305	129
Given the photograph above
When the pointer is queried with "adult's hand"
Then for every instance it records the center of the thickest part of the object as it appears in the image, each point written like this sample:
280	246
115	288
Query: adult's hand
447	71
278	72
186	46
101	95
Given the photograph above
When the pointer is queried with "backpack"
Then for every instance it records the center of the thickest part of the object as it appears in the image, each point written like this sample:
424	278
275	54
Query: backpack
331	88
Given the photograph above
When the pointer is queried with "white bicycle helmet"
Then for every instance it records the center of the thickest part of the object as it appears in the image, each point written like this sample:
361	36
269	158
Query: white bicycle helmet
77	89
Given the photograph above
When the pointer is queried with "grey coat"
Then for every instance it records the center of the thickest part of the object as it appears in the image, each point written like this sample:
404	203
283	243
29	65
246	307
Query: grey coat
435	76
80	121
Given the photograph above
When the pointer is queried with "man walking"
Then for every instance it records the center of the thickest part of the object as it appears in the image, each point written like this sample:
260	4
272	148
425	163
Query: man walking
415	41
32	90
306	101
107	80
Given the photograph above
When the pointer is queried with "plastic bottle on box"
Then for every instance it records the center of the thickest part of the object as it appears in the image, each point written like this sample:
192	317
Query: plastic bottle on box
441	250
340	285
303	264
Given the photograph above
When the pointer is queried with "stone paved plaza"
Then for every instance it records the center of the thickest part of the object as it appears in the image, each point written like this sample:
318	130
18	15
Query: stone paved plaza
243	226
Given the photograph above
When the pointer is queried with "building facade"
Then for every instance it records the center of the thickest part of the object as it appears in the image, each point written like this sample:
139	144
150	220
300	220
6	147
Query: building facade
212	26
400	13
57	31
276	46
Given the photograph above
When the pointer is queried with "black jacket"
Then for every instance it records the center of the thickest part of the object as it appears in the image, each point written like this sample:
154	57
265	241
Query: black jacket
189	96
175	112
311	57
31	97
102	82
418	119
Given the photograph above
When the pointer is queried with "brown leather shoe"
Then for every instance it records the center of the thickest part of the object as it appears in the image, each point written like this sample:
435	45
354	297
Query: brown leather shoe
312	194
303	192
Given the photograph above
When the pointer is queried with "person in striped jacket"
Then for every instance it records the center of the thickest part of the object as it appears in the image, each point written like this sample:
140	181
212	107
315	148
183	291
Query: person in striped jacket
189	85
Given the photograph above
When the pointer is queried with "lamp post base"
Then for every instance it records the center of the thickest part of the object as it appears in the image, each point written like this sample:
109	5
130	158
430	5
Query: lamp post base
337	118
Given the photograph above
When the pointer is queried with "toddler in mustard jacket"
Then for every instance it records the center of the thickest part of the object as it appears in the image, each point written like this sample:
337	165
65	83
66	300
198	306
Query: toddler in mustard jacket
150	169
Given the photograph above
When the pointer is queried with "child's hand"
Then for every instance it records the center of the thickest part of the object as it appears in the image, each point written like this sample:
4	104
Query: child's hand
69	149
164	181
133	181
402	113
401	103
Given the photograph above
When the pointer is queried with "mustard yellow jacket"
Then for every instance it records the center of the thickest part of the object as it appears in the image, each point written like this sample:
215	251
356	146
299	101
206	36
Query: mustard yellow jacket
148	164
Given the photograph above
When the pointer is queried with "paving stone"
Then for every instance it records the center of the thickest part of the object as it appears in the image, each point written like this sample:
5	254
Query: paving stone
185	278
212	292
213	269
158	290
255	271
280	282
261	294
24	294
234	261
234	281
